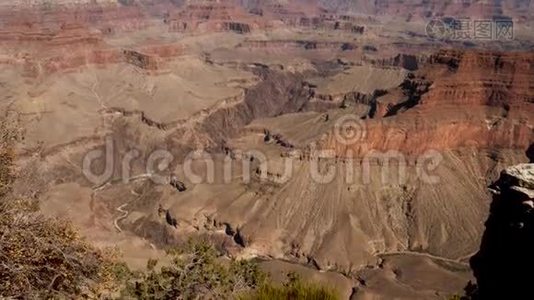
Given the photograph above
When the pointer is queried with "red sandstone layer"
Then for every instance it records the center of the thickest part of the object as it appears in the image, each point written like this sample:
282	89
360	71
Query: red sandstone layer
478	99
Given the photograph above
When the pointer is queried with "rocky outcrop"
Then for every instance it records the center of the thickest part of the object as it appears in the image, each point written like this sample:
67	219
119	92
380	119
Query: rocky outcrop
71	61
108	17
505	255
209	16
141	60
345	98
483	78
288	13
151	59
413	88
227	16
236	27
460	99
64	36
177	184
298	44
278	93
73	46
328	22
68	35
406	61
414	134
277	139
309	17
411	9
170	219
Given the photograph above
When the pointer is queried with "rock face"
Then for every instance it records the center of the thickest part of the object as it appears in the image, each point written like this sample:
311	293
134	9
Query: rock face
517	9
409	9
210	16
151	58
301	219
117	16
459	99
520	179
236	27
298	44
65	38
107	16
505	255
227	15
405	61
141	60
317	20
484	78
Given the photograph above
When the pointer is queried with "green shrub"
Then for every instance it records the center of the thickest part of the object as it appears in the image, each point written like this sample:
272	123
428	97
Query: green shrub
197	271
295	289
7	136
41	257
45	258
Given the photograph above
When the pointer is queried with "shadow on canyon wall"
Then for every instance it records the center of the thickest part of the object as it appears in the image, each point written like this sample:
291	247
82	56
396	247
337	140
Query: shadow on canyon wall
530	153
506	254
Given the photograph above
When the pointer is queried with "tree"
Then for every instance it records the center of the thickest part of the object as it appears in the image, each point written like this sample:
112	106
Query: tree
7	137
42	257
197	270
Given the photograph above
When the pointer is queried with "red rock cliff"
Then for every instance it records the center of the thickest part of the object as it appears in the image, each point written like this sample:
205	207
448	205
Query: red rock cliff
483	100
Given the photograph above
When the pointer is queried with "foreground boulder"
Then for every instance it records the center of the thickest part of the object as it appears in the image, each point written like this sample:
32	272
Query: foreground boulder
506	252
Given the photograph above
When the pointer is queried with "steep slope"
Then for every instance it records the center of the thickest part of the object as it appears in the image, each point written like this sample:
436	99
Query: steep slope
313	216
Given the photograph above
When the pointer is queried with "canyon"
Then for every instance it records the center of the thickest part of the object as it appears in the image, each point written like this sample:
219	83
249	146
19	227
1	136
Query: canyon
330	138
